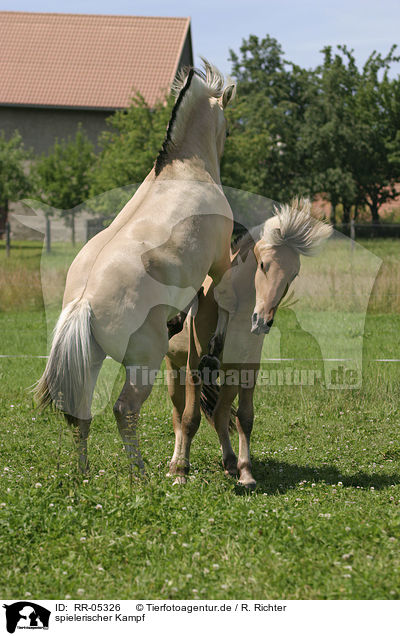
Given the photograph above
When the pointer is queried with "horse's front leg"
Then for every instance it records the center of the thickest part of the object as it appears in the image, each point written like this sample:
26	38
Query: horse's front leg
244	425
226	299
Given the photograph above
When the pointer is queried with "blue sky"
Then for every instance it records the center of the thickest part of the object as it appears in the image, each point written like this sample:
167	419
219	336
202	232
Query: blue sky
302	27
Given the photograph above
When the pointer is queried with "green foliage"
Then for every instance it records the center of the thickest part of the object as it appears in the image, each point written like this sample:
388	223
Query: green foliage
327	135
264	123
63	176
130	146
332	130
376	168
14	178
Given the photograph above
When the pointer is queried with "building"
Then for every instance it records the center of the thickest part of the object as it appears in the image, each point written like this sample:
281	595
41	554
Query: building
58	70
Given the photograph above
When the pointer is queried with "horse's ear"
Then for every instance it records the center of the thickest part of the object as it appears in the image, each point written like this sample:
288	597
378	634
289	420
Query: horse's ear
228	95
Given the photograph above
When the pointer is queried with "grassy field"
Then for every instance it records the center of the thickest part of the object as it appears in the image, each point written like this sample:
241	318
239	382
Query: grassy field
324	522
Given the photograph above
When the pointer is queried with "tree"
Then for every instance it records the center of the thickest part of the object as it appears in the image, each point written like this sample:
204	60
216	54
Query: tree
63	176
330	131
327	139
131	145
272	98
376	164
14	175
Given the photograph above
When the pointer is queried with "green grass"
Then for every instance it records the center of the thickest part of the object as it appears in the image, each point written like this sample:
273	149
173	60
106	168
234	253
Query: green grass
324	521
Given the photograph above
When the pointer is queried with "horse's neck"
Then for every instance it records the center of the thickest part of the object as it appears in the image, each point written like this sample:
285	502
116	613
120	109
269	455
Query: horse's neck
243	273
194	149
181	168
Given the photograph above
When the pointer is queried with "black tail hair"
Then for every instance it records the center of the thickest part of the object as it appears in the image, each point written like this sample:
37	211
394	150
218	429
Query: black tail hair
208	400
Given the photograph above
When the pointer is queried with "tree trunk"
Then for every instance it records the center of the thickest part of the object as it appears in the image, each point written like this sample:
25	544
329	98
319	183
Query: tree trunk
373	206
73	228
346	214
333	213
375	212
3	218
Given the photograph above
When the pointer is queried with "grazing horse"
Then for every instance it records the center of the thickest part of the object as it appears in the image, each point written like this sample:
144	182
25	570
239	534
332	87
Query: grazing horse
265	262
130	279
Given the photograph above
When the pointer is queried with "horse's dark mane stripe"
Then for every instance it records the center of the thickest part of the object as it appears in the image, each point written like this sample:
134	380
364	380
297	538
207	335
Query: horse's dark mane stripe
243	243
162	158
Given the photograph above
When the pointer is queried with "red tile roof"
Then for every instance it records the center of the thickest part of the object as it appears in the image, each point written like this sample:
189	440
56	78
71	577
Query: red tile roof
90	61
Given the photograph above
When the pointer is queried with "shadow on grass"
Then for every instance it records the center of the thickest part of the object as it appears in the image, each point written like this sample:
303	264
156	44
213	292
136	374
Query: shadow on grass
277	477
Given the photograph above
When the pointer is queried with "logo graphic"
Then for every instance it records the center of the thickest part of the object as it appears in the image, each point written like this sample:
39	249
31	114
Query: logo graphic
26	615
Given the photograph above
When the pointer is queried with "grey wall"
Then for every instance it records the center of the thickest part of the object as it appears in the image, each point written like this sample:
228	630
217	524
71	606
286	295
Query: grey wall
40	127
187	52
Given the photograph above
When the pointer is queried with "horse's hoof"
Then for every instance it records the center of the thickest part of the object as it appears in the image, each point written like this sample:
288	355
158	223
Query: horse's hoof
249	485
209	369
180	480
231	472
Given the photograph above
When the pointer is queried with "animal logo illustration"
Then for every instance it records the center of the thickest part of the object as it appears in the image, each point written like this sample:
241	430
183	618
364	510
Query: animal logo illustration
26	615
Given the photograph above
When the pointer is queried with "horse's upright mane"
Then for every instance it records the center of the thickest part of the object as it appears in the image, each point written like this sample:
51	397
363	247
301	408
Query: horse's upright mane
189	86
294	226
210	75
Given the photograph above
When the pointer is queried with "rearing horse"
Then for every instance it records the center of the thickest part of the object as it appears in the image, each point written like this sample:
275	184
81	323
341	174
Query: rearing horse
129	280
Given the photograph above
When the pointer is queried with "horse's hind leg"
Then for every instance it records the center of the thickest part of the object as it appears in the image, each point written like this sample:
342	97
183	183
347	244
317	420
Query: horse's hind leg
186	423
80	431
221	419
143	357
176	392
80	424
126	412
244	425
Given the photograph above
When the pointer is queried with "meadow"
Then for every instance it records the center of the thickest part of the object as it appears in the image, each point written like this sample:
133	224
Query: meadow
323	523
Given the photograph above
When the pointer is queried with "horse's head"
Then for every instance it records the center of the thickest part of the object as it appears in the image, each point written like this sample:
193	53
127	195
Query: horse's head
291	232
197	126
211	84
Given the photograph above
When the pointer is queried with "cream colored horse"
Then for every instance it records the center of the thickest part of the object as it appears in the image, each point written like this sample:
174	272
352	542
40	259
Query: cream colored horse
266	262
129	280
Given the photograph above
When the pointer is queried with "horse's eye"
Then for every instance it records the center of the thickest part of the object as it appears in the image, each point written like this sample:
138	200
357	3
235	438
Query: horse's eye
262	266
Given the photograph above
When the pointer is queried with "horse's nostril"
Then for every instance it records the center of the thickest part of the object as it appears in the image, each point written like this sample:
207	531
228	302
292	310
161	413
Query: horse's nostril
254	317
270	322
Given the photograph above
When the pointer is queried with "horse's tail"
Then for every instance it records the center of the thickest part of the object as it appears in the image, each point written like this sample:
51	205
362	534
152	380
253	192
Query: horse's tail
208	400
65	378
